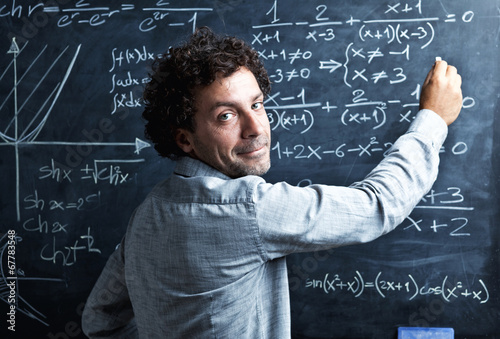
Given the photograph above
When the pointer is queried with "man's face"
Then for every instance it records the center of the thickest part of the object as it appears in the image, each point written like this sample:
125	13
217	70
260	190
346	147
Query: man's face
232	132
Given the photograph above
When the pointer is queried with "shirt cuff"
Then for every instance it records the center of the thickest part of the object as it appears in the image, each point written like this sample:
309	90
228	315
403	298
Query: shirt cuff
430	125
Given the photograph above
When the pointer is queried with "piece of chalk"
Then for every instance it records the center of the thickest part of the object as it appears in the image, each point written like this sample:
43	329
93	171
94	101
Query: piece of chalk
438	59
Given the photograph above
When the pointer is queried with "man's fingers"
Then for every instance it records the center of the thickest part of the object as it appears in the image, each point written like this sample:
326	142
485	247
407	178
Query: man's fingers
451	71
440	68
429	75
441	92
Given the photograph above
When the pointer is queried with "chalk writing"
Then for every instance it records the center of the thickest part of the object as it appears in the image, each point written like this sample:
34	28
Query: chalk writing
84	14
368	148
67	255
409	287
130	56
29	134
88	202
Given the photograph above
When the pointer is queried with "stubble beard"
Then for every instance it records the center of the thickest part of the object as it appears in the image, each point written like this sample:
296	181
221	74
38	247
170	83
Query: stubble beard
263	163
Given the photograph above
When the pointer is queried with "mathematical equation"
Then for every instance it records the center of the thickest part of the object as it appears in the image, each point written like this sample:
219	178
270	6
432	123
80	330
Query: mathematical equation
42	224
295	114
106	171
392	29
126	87
451	199
408	287
67	255
411	34
369	148
368	53
85	203
83	13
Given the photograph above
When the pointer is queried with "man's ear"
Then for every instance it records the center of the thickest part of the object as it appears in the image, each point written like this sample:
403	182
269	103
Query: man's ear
183	139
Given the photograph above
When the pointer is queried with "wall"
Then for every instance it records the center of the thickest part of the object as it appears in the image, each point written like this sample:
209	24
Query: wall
347	77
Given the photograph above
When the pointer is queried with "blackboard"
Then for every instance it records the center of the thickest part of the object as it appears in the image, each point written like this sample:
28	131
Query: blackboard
346	82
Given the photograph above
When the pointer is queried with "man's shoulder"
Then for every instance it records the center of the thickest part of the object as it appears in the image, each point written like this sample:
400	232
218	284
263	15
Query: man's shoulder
177	188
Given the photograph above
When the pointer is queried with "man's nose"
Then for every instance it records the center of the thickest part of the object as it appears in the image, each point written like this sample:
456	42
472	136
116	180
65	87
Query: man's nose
253	124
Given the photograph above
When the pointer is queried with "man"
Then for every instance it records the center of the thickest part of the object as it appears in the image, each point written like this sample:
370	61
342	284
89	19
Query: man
204	254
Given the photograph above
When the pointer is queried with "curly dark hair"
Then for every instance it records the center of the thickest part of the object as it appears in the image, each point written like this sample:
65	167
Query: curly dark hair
169	96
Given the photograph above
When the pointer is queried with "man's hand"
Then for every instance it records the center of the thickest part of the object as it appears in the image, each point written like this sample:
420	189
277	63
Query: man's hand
441	91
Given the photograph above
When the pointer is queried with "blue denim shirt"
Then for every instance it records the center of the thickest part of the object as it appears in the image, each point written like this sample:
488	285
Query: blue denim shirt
204	255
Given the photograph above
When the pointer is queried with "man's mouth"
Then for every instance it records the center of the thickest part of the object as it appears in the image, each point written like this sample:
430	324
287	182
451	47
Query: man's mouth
254	148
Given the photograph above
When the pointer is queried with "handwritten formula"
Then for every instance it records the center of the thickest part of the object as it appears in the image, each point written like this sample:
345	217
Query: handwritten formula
409	287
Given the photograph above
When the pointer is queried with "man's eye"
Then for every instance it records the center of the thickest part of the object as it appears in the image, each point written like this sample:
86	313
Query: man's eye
257	105
225	116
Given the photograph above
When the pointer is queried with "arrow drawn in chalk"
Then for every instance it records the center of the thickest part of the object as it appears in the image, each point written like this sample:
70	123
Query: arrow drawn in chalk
28	135
138	144
332	65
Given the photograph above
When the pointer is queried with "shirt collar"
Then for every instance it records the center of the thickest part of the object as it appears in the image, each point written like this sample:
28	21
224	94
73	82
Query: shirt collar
189	167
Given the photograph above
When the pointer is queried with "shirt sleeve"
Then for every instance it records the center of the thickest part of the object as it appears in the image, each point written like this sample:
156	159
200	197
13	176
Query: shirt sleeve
303	219
108	312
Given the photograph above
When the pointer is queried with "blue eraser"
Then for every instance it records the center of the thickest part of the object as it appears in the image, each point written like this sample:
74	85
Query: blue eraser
425	333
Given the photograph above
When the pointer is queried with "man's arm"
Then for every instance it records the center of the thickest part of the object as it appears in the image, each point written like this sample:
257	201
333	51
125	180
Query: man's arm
293	219
108	312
